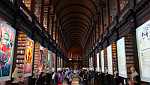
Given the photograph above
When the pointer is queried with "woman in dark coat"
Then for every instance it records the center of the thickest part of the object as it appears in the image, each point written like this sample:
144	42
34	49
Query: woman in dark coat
40	80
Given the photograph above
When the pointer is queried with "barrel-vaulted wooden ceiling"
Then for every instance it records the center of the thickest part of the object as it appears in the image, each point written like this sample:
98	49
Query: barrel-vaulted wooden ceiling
74	16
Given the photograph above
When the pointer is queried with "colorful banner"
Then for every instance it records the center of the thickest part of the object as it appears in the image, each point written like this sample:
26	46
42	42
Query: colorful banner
143	45
41	59
102	61
28	59
121	54
109	60
97	58
49	65
49	58
7	40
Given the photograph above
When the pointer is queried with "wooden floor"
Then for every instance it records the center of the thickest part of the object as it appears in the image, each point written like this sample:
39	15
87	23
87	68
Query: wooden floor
75	81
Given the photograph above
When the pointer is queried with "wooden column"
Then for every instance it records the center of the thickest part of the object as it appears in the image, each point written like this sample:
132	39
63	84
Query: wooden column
56	61
118	7
58	38
42	12
99	27
52	28
48	16
92	38
55	28
33	6
95	32
108	12
102	20
99	20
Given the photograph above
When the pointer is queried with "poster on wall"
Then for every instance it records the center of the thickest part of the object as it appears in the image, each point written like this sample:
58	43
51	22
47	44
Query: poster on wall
121	58
7	41
109	59
143	46
28	59
102	61
41	59
98	67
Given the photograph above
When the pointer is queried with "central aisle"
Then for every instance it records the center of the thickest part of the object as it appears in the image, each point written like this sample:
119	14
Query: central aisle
75	80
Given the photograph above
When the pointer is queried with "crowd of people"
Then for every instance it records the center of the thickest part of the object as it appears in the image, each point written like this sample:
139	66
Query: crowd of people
64	77
86	77
60	77
55	78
